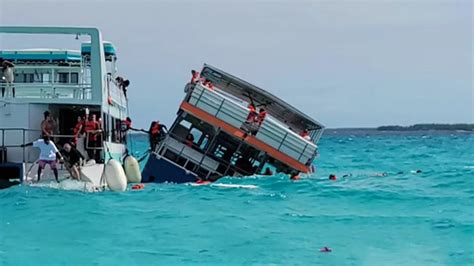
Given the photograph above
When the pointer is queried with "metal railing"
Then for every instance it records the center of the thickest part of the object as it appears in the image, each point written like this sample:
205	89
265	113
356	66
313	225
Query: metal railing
23	139
271	132
47	91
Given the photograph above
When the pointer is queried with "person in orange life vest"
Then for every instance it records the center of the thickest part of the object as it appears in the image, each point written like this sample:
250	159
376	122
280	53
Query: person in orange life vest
208	84
305	135
189	140
261	116
252	113
195	77
157	133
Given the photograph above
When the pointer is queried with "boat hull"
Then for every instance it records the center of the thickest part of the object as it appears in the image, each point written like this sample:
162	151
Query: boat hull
159	170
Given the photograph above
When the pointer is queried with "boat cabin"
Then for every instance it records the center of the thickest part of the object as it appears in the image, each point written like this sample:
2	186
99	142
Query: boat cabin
212	137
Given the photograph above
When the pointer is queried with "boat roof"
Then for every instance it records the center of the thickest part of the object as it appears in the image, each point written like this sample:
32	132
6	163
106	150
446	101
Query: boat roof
274	105
41	55
109	48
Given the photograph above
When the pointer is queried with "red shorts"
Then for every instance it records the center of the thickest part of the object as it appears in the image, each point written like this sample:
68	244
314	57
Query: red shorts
43	163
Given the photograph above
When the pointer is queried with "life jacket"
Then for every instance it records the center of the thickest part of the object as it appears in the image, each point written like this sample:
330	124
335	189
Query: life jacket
91	126
252	114
77	128
261	117
155	130
195	78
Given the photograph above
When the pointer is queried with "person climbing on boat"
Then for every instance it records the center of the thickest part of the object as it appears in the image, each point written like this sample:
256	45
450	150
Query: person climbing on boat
156	134
7	75
72	160
49	154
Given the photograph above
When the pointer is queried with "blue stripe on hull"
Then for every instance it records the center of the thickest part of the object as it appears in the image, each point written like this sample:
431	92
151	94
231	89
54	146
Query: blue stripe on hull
159	170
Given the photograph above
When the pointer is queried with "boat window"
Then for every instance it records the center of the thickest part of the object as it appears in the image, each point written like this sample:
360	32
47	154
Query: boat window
63	77
74	78
185	124
197	134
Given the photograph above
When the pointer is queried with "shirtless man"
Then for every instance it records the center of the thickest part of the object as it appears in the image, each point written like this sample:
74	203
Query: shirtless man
47	125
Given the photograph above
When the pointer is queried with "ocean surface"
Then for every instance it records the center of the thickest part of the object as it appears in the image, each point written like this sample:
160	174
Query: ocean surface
366	218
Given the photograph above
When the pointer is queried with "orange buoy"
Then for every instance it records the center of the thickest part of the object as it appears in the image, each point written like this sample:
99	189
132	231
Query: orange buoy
138	187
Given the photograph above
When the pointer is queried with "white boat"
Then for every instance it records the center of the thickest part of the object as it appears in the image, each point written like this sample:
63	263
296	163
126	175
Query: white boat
66	83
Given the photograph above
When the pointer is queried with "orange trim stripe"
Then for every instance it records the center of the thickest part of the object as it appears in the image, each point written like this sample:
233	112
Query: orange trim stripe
238	133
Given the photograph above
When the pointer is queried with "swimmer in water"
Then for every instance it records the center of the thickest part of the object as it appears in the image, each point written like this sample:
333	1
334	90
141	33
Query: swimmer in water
332	177
325	249
347	175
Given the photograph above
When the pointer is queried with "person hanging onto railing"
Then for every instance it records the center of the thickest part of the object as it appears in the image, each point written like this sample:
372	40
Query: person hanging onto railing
157	133
7	75
73	160
122	84
49	154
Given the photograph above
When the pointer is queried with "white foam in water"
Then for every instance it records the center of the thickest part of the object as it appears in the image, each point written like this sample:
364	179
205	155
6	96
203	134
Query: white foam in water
234	186
67	184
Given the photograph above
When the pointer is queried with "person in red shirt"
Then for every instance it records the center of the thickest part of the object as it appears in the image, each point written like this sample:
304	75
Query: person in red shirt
77	130
261	116
252	113
195	77
92	129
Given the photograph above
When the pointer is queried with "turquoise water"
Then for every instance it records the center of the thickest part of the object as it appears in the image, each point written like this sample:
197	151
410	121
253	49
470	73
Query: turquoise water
366	219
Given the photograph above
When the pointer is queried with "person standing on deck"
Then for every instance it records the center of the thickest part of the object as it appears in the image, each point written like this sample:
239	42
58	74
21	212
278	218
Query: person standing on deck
195	77
48	155
92	129
7	75
78	129
47	125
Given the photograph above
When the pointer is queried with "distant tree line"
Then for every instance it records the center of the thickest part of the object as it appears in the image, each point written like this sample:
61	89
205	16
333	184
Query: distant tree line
466	127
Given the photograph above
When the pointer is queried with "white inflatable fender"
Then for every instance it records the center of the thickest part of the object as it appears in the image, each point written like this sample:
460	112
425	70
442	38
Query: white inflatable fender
132	170
115	176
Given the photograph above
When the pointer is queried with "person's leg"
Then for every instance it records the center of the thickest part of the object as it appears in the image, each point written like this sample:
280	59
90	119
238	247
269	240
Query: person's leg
13	90
41	165
75	172
3	91
54	167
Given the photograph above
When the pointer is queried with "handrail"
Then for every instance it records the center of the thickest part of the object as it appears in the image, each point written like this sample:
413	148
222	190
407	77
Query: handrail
269	119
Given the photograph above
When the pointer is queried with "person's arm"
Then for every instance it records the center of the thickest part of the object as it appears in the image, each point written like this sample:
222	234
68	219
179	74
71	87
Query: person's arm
165	128
27	144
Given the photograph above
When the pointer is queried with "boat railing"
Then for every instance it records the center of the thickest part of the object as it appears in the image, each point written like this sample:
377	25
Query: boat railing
199	156
47	91
271	132
16	138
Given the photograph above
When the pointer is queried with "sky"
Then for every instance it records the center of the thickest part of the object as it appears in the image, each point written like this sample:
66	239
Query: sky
344	63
